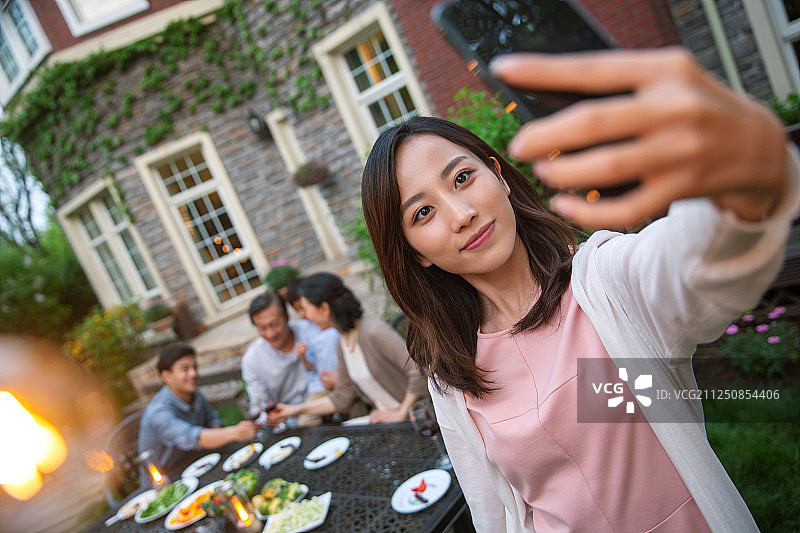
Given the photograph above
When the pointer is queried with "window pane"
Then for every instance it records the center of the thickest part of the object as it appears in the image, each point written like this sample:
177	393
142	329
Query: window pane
792	9
184	172
89	223
371	61
7	61
138	261
234	279
111	267
23	29
113	210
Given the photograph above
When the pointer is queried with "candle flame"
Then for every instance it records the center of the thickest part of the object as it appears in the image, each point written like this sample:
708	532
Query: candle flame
155	475
241	512
30	445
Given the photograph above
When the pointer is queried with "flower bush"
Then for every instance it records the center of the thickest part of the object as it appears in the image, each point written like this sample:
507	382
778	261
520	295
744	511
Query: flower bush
759	348
281	273
109	343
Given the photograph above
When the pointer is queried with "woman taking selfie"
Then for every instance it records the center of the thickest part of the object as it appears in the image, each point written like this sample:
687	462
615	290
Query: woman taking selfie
501	305
373	360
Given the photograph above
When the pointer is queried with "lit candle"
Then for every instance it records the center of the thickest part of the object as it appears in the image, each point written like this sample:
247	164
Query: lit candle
238	507
157	478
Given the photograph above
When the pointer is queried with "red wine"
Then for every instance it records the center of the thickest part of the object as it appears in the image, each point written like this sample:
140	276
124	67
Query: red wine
429	429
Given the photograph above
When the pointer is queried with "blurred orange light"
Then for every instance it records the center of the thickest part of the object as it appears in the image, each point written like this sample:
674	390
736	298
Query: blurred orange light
592	196
29	445
98	461
511	107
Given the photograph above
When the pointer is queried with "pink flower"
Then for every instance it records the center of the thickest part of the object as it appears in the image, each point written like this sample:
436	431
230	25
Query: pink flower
761	328
780	310
733	329
773	339
748	318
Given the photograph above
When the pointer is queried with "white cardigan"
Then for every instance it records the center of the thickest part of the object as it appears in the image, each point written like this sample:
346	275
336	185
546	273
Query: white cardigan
656	294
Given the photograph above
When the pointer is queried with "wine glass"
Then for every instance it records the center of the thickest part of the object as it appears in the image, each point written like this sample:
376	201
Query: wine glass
423	418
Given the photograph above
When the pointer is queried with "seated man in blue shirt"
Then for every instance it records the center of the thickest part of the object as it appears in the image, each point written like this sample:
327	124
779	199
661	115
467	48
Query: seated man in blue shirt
179	419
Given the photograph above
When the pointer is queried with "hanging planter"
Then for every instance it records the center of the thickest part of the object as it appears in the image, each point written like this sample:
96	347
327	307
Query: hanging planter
310	173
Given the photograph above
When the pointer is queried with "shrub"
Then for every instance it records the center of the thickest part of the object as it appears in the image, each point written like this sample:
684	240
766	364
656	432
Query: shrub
762	349
282	272
156	311
43	292
787	109
109	343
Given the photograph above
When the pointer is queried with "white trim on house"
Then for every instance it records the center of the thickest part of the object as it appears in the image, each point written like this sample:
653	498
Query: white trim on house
98	278
215	312
328	53
136	30
26	62
322	222
774	35
80	27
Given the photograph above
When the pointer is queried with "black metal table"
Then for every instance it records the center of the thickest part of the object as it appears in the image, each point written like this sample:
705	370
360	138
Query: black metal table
362	481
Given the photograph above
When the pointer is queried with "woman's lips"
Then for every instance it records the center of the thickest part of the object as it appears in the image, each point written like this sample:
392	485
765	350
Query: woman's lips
479	237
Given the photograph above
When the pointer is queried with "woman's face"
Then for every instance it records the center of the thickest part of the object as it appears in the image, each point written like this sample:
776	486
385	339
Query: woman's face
455	210
320	315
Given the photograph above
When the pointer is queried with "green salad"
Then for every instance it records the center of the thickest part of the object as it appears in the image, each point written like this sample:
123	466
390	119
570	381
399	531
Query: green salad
166	498
248	479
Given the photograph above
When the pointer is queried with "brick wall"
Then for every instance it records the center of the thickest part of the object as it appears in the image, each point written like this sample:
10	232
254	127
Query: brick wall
633	23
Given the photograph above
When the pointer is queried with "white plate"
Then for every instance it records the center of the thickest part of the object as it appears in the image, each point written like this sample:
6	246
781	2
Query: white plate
436	484
201	466
229	463
358	421
303	492
326	502
185	503
327	452
129	508
278	451
190	482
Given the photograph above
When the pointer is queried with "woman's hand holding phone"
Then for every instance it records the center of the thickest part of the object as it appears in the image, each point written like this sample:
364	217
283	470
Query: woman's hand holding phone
679	131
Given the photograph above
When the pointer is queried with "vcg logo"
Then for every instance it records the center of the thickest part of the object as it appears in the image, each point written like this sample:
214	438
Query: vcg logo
645	381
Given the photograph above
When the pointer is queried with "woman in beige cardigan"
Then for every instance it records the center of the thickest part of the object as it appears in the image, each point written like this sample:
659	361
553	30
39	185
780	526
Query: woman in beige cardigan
373	360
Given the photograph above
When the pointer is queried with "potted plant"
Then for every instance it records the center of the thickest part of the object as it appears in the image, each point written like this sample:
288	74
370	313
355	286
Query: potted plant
158	315
282	272
310	173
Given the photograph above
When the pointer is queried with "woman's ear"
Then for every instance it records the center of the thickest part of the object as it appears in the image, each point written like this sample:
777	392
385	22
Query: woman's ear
496	170
424	261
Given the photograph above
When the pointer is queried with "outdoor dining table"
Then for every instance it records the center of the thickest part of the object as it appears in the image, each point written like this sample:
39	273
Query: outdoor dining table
362	481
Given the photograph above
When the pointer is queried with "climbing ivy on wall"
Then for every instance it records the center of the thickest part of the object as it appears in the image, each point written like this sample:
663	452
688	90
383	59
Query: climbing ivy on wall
69	118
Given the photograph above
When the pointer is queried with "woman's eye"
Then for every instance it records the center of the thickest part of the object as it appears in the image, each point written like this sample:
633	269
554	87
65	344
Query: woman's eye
422	213
462	177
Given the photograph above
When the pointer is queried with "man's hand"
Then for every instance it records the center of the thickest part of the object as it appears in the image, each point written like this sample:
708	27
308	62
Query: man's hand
328	379
245	430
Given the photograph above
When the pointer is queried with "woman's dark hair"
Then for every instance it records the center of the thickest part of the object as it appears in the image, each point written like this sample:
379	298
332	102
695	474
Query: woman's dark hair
267	299
444	311
326	287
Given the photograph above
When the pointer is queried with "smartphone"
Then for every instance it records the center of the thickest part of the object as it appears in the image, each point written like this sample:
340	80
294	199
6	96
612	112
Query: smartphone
483	29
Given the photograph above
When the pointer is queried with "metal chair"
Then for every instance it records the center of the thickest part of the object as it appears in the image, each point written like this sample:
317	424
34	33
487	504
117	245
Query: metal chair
122	447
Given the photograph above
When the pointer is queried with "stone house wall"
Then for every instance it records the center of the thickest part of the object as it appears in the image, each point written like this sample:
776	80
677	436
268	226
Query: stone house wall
696	36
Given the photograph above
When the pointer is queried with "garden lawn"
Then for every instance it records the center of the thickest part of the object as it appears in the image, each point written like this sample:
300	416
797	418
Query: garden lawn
763	459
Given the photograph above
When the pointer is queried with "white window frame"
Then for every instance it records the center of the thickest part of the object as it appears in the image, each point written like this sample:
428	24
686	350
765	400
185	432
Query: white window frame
92	265
182	244
329	54
774	36
79	27
25	61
